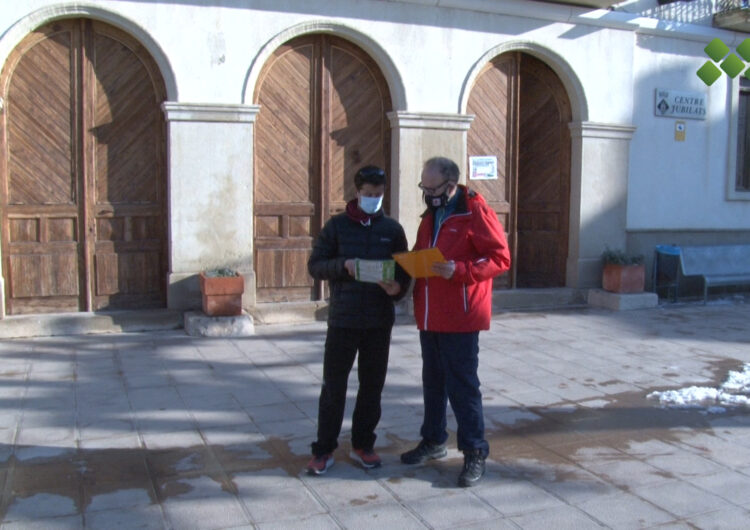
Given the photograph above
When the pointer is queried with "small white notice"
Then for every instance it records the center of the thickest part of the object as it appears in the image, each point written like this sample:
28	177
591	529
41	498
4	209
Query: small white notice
680	104
483	167
369	270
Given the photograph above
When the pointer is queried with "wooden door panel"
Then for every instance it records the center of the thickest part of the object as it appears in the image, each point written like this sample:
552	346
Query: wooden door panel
492	133
125	134
284	192
544	176
39	125
359	135
323	106
284	270
41	244
44	275
283	151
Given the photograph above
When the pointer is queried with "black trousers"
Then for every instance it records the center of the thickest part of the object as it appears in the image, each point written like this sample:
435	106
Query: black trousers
342	345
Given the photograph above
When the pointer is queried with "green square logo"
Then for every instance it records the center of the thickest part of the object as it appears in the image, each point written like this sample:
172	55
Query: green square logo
716	49
732	65
708	73
744	49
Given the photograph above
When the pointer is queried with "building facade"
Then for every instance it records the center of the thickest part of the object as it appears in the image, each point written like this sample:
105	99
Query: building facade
144	141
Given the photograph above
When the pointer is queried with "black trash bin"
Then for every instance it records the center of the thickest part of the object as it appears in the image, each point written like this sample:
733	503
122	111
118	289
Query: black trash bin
666	275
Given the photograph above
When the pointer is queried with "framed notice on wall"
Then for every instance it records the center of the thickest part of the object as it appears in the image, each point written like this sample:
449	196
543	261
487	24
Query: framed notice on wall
483	167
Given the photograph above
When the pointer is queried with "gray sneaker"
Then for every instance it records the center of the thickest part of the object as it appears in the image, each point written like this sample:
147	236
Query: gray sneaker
423	452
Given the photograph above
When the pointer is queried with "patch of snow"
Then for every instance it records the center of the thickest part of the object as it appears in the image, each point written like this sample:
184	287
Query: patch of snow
728	394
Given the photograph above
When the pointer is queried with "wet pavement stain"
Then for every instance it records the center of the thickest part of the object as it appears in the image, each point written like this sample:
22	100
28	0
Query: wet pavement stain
362	502
84	474
566	430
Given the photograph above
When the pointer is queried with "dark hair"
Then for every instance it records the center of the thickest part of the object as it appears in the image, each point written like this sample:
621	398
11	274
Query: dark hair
369	175
445	166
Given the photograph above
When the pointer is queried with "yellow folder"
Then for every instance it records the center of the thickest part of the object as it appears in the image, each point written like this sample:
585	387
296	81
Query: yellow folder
418	263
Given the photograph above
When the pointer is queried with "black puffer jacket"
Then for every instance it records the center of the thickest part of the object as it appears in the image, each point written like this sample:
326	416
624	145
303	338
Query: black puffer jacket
356	304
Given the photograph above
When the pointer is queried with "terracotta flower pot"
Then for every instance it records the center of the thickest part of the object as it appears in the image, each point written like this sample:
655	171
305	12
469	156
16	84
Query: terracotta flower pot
623	278
222	295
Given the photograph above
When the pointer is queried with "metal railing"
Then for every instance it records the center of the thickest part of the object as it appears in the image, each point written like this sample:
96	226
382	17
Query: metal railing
731	5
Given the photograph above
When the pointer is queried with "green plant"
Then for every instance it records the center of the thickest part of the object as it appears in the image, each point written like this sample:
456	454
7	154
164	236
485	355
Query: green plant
221	273
618	257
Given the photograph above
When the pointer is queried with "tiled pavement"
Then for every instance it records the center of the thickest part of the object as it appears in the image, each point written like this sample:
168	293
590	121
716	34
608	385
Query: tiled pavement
162	430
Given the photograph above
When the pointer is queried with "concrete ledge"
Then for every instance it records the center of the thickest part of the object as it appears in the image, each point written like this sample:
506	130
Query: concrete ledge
530	299
621	302
53	324
289	312
198	324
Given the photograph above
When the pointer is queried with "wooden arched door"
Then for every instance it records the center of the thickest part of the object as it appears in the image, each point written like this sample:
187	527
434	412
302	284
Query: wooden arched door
323	104
522	114
83	176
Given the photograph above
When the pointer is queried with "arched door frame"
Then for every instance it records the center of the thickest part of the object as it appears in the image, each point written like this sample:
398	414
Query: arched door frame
43	16
368	45
579	113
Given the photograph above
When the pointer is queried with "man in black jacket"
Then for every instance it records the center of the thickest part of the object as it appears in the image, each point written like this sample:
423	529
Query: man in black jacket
360	317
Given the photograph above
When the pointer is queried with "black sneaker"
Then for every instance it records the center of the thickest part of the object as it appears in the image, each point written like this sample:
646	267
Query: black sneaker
423	452
473	469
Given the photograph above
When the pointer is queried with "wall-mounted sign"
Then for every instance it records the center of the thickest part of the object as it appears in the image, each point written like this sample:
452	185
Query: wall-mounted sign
483	167
679	104
679	131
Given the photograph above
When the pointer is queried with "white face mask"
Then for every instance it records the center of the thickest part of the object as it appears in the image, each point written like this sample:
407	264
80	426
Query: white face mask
370	205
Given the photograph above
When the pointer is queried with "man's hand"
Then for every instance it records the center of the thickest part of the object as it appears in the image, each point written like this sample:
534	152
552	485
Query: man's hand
350	267
445	269
391	287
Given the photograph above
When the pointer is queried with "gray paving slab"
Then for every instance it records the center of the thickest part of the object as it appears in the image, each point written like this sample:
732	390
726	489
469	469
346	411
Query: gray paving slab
162	430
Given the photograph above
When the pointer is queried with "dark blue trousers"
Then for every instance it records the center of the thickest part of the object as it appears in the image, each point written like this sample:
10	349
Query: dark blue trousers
342	345
449	373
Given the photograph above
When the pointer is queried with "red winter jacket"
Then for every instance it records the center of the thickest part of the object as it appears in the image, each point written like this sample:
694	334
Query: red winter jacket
473	238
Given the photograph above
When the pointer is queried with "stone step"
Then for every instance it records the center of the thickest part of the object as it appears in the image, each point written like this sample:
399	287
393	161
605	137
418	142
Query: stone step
50	324
537	299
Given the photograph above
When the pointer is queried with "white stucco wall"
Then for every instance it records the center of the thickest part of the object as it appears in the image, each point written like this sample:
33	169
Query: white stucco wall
679	185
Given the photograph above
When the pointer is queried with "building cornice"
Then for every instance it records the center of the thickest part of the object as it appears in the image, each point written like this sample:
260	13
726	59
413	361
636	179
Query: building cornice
610	131
430	120
210	112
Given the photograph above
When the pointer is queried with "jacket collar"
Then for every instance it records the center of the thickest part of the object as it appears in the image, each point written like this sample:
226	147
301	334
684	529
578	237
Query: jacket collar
462	206
358	216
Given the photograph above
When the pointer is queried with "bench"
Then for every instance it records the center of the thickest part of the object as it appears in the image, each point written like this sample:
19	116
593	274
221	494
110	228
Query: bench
718	265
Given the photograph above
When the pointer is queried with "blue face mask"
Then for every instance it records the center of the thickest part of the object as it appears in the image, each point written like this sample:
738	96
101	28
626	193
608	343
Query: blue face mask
370	205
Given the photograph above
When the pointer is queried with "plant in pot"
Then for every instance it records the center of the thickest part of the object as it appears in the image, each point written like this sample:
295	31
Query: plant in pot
221	291
622	273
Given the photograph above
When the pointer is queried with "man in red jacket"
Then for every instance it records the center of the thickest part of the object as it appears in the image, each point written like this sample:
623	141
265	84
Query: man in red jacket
451	308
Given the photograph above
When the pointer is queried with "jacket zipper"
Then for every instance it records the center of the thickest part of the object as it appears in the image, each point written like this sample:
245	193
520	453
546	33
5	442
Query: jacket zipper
427	280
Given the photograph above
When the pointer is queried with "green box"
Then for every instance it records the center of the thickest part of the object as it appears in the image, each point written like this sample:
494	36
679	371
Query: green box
708	73
732	65
744	49
716	49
